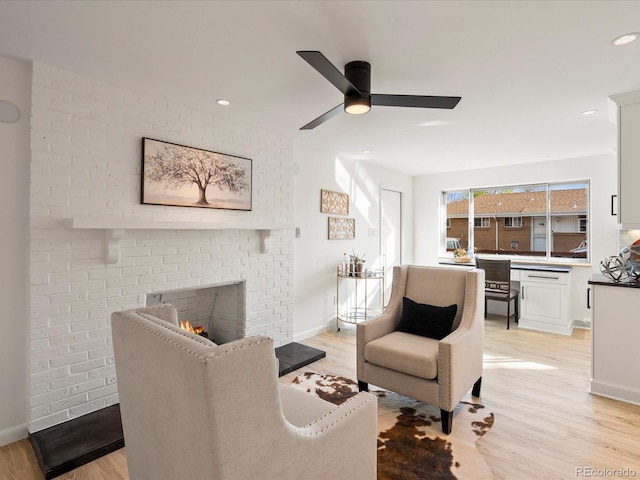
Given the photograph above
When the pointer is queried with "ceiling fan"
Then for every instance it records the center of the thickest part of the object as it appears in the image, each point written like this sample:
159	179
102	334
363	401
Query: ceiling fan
355	85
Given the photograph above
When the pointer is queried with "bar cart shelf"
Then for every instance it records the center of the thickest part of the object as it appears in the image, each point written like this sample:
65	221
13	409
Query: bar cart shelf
359	312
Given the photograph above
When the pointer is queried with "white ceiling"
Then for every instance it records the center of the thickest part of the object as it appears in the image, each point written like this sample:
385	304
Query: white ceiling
525	69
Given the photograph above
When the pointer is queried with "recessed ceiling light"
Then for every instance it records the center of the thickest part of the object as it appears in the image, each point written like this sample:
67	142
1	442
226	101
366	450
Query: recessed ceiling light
9	112
223	102
546	157
625	39
589	112
366	151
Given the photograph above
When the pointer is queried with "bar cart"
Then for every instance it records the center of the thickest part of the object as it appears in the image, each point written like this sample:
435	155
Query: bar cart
358	313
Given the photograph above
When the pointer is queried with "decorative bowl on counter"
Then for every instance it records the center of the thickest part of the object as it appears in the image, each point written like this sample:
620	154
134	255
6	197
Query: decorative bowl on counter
614	268
623	266
630	255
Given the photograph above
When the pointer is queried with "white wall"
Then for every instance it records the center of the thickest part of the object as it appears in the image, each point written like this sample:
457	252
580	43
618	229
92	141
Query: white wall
15	86
600	170
86	163
316	257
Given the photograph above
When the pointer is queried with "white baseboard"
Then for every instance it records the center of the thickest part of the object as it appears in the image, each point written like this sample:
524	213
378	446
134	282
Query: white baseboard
582	323
615	392
545	327
13	434
315	331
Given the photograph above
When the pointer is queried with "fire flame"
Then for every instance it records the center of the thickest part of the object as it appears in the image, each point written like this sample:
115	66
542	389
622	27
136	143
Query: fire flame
186	325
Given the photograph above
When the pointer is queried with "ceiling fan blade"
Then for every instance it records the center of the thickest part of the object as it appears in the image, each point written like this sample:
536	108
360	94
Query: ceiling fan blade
318	61
419	101
323	118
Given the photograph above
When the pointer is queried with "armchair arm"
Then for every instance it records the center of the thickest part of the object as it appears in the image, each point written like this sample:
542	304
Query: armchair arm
346	436
460	352
382	324
164	311
370	330
376	327
360	408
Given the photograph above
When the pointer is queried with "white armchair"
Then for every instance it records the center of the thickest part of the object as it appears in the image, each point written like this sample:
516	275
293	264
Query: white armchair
437	372
193	409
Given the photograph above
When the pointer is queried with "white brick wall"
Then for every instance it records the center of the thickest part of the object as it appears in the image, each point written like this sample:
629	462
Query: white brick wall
86	162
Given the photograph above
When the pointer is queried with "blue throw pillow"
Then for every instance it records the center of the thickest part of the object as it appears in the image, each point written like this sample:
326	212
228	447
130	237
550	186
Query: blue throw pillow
426	320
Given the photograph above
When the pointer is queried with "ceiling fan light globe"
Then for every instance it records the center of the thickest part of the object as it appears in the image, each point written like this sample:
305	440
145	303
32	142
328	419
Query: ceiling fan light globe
357	106
357	109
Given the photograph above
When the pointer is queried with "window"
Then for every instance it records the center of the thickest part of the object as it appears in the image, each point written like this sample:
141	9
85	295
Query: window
583	225
512	222
457	217
482	222
541	221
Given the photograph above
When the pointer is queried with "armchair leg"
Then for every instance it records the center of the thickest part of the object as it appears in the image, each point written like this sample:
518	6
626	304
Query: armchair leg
447	421
363	386
475	391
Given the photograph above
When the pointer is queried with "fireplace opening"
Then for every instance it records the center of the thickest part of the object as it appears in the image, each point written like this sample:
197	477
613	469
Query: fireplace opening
197	330
217	312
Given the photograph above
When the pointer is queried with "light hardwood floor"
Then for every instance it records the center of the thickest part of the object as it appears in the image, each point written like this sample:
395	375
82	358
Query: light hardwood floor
547	425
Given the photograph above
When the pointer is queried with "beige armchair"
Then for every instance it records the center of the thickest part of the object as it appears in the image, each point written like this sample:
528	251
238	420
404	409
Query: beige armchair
438	372
195	410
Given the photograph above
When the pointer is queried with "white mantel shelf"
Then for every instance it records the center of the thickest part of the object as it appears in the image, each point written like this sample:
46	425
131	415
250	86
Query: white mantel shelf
135	224
114	229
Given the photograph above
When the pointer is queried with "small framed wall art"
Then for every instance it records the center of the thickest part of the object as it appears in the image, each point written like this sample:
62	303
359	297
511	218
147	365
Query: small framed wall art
183	176
342	228
334	202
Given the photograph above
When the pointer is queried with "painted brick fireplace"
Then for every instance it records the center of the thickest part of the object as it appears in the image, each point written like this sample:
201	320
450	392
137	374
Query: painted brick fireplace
86	156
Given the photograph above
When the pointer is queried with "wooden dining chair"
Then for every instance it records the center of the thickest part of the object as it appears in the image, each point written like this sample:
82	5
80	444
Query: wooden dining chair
498	285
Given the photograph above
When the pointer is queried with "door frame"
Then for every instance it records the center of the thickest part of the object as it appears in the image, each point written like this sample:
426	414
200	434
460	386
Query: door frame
383	256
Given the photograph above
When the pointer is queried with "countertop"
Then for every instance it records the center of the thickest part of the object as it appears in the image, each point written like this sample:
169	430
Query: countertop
597	279
517	266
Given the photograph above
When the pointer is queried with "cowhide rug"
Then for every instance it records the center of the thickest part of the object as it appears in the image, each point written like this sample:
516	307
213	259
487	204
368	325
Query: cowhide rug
411	445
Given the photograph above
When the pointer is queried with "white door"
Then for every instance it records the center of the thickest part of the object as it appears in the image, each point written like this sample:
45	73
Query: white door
539	234
391	235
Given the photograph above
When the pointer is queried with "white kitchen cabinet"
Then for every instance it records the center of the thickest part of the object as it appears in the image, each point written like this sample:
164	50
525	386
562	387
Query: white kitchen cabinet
628	120
615	333
545	301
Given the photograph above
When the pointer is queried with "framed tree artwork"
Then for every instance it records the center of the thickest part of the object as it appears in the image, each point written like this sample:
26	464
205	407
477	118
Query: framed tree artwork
184	176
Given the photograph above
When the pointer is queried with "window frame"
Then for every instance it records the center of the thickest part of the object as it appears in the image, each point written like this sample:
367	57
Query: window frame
561	256
482	222
513	220
583	225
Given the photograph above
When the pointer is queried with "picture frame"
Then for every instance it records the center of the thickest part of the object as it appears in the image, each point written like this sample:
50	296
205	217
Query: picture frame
341	228
178	175
334	202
